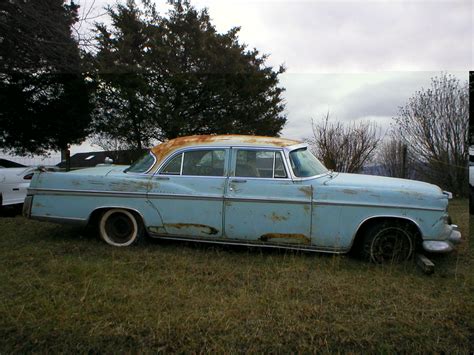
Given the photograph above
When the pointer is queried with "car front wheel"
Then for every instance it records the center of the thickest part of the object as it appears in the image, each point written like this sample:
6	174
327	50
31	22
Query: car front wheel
389	242
119	227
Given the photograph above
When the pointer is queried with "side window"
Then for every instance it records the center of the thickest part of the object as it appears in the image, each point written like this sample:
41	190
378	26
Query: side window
174	166
206	162
259	163
280	171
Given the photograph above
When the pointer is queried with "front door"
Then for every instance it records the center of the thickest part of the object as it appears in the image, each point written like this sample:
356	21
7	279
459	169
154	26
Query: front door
262	203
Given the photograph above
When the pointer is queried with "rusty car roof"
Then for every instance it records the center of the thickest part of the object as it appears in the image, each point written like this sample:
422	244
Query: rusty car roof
162	150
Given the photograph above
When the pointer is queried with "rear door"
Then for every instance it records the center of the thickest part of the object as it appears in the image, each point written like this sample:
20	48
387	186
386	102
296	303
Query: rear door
188	193
262	203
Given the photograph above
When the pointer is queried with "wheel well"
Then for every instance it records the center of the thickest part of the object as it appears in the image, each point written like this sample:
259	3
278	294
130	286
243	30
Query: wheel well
358	239
95	215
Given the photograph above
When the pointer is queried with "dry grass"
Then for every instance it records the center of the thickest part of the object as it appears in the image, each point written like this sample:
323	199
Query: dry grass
64	291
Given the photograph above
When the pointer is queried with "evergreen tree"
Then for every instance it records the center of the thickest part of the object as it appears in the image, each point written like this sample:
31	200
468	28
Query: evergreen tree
160	77
44	101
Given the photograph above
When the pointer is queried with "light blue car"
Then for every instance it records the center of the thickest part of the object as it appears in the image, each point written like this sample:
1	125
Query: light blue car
248	190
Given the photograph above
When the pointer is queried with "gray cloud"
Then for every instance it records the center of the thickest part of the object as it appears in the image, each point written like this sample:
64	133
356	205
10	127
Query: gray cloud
342	36
360	96
357	59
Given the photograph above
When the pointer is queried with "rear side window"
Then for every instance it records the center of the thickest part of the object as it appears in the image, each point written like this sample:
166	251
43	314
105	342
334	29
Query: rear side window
174	166
259	164
203	162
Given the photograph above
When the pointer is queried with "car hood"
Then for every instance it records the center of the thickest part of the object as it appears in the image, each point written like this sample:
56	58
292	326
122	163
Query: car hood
359	181
100	170
379	190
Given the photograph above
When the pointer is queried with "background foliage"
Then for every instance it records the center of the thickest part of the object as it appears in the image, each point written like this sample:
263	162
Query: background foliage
44	99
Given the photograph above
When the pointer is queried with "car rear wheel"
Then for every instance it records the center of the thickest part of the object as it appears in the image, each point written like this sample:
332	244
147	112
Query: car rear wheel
119	227
389	242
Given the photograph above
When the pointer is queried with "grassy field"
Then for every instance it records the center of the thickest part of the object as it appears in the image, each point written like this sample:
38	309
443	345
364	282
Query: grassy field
62	290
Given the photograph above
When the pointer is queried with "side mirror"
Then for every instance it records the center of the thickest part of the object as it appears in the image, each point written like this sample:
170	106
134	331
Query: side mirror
108	160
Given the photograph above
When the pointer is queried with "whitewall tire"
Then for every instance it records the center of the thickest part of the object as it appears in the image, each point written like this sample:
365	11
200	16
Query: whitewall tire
119	227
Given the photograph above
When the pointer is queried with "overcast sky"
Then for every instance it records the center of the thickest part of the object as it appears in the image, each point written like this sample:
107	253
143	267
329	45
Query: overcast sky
355	59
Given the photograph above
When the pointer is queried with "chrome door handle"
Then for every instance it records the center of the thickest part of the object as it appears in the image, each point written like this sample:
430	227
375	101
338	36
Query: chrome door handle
161	178
240	181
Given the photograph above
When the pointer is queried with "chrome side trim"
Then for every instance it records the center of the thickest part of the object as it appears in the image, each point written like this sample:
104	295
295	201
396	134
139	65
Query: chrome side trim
269	199
158	195
58	219
250	244
216	197
187	197
87	193
227	198
360	204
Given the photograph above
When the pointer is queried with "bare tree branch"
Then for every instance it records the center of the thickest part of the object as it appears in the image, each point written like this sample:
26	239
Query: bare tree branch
344	147
434	124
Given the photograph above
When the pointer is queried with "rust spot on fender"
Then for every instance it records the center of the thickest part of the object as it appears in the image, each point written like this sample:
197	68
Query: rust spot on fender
157	229
307	190
125	185
161	151
202	228
76	182
286	238
350	192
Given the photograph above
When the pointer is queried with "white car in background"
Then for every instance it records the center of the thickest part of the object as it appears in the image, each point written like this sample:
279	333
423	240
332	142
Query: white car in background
13	184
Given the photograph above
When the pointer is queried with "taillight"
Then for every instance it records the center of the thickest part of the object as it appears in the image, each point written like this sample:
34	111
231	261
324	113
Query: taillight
28	176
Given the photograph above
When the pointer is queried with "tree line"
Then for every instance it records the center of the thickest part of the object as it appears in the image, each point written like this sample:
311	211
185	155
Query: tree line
146	77
428	140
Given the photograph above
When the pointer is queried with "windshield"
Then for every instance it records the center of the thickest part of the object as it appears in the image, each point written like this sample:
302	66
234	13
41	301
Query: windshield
304	164
143	164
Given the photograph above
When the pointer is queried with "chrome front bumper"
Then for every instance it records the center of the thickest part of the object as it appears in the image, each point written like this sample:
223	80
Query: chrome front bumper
453	237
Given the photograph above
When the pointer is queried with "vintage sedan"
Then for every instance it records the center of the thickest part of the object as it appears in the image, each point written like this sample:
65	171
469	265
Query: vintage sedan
248	190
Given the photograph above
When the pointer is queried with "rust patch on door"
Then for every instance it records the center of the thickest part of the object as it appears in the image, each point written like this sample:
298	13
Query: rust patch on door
307	190
129	185
277	218
192	227
350	192
285	238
